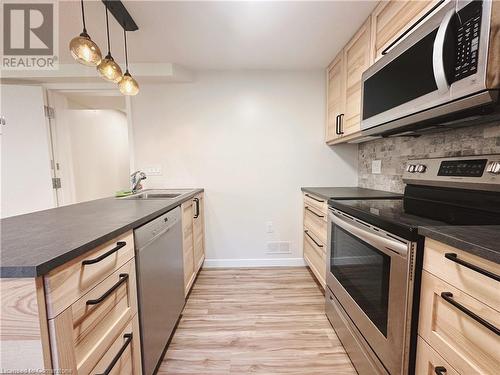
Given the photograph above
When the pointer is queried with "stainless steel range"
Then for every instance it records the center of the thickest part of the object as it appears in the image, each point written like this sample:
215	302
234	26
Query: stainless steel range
375	253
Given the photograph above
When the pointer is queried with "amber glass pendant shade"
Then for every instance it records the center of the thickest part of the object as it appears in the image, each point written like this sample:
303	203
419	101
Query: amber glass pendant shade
85	51
110	70
128	85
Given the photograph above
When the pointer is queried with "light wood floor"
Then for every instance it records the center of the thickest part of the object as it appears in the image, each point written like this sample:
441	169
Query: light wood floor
255	321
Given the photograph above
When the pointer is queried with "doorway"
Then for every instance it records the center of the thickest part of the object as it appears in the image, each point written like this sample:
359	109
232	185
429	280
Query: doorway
90	144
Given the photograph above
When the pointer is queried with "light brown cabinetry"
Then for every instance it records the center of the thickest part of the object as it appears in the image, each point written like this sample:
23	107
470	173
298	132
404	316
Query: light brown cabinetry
357	59
335	97
80	312
344	87
193	239
387	22
459	311
315	235
392	18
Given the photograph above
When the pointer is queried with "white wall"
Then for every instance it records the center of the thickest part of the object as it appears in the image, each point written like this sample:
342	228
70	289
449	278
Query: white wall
26	175
251	139
96	152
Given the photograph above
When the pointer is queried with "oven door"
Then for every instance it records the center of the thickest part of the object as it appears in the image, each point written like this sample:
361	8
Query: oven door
368	272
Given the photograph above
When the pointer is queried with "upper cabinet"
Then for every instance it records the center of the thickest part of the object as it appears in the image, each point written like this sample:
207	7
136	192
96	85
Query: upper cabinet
335	97
387	22
356	60
344	87
390	19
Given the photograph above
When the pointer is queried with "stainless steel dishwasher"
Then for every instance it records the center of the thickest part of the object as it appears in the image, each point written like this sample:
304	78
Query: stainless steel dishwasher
160	283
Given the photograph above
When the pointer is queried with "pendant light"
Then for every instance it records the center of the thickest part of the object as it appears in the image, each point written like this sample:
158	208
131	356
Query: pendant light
108	68
83	49
128	85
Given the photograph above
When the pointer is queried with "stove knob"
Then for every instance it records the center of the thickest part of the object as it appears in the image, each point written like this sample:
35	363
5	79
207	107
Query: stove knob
421	168
494	167
411	168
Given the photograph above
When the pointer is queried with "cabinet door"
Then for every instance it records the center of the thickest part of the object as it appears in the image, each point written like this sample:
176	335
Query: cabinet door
356	61
392	18
85	331
335	95
187	245
461	329
199	231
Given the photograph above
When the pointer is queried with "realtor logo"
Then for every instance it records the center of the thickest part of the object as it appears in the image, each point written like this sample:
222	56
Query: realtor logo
29	35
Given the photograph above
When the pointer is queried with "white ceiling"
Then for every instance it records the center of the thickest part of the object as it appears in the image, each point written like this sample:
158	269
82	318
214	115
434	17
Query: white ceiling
223	35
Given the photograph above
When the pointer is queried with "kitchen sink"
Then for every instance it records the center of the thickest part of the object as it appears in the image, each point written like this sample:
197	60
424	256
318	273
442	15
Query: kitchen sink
157	194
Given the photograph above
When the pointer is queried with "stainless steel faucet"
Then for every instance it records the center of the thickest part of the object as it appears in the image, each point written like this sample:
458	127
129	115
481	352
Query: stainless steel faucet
135	180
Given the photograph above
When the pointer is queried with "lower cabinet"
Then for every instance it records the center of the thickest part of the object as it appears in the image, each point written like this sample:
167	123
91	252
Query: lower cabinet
84	332
124	355
79	318
193	238
429	362
458	322
315	236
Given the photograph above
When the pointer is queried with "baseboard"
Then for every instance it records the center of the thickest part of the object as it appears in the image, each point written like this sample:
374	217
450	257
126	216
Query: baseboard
242	263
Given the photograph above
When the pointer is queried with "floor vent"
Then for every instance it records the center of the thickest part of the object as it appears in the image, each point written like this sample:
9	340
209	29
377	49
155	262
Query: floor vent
278	247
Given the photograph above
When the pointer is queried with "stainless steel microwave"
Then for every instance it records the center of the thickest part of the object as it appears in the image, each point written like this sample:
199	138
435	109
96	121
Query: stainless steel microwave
446	69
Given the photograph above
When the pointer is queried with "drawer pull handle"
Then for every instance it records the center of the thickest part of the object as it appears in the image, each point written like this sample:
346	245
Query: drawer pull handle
197	214
123	278
440	370
128	339
118	246
314	198
313	240
448	297
454	258
308	209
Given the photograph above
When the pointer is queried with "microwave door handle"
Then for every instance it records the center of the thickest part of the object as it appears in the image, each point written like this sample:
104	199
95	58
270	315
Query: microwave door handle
438	54
387	246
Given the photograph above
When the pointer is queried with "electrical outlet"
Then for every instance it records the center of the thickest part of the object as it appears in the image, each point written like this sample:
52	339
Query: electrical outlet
269	227
376	166
154	170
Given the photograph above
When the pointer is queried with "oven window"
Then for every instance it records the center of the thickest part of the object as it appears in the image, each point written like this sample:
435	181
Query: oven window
407	77
363	271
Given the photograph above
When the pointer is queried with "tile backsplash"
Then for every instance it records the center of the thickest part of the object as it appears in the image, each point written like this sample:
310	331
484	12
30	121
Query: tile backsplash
395	152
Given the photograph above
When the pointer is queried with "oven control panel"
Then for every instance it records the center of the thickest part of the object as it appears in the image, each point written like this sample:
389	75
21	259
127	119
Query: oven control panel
468	172
462	168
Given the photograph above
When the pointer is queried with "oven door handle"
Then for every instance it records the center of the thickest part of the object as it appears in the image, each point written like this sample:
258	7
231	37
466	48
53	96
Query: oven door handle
386	245
438	54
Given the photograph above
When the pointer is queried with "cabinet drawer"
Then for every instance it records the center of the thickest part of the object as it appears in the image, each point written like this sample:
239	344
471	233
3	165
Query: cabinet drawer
65	284
82	333
125	350
315	222
460	339
316	202
315	258
428	361
472	282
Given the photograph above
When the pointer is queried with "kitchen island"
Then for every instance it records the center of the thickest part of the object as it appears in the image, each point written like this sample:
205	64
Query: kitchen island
68	282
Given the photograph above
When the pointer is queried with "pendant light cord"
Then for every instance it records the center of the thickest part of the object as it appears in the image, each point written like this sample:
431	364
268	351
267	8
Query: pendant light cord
107	29
83	18
126	53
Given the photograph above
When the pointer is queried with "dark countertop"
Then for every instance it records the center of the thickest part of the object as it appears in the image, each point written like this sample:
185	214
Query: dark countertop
480	240
35	243
339	193
483	241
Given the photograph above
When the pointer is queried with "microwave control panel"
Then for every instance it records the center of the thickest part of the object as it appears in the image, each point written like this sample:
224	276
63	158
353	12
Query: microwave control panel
468	30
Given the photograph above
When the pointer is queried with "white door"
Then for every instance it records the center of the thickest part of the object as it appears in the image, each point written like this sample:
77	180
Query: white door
26	181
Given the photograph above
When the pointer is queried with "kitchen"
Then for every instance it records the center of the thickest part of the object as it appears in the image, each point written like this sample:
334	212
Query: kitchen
316	190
